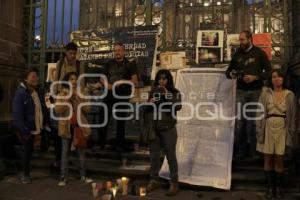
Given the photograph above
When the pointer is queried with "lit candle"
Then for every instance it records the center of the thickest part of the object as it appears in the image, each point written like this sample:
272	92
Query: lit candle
95	190
114	191
125	185
124	180
142	191
125	190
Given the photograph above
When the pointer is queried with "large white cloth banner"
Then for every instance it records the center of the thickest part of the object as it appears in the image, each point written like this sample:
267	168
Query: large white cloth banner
205	128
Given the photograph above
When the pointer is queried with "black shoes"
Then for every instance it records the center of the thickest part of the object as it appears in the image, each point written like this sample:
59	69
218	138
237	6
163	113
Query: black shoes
274	182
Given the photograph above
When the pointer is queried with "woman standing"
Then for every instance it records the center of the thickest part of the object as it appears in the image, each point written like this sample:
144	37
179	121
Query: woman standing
30	115
163	133
275	131
66	127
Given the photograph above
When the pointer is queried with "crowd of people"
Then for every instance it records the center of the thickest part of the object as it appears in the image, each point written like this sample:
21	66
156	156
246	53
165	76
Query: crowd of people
67	121
270	131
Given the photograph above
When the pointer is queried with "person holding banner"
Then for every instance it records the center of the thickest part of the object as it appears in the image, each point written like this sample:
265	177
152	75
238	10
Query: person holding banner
276	130
162	130
251	67
119	70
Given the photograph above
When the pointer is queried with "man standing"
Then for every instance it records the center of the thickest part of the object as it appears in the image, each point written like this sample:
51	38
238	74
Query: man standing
69	63
119	69
64	66
250	66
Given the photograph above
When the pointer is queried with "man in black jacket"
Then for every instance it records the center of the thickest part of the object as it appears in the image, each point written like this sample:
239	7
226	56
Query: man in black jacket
250	66
119	69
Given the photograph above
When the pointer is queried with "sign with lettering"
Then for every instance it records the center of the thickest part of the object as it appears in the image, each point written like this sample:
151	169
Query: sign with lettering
205	128
96	46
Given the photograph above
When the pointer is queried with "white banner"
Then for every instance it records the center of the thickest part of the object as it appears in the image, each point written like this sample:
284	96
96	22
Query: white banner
205	128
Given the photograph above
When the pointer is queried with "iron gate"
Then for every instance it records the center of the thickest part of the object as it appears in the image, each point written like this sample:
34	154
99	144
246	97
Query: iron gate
48	23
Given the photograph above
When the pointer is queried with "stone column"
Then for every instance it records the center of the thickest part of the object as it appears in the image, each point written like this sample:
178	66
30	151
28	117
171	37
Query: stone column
11	59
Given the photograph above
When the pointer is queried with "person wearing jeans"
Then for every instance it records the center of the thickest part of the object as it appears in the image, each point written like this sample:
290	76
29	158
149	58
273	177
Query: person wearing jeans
162	131
118	70
251	67
30	115
66	128
167	139
245	139
66	143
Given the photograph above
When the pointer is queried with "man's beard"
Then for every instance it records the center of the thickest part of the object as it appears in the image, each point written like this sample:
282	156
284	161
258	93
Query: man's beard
119	58
243	46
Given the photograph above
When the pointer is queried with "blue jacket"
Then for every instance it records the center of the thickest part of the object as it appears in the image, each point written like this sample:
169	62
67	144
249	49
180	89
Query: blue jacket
24	110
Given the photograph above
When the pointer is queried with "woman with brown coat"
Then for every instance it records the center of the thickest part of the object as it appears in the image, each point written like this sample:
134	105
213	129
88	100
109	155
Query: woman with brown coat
71	118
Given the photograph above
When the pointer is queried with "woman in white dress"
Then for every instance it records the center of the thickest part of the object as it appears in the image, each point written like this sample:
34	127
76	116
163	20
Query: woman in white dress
275	130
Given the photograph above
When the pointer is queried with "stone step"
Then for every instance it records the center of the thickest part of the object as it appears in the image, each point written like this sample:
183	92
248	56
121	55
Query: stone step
110	157
257	162
249	186
241	181
98	167
247	174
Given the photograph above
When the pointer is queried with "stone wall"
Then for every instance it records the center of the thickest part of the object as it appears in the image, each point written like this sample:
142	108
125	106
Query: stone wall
11	60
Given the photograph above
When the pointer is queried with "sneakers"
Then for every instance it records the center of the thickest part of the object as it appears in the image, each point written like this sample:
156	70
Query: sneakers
153	185
86	179
25	180
62	182
173	190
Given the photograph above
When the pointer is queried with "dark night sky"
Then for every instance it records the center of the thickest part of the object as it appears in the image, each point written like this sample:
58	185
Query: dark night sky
57	33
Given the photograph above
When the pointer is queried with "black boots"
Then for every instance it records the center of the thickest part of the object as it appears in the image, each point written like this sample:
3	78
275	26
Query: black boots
274	181
269	184
278	185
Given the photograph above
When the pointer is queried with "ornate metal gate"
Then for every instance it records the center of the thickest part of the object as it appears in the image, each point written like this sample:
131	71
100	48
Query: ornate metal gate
48	23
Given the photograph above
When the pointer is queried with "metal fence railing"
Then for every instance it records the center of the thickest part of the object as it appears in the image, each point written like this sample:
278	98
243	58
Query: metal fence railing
48	23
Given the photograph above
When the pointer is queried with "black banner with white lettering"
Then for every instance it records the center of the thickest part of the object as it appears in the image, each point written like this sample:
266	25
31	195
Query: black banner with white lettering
96	46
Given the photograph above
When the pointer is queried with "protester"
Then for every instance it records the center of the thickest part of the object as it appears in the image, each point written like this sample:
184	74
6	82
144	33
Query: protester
96	115
29	115
68	64
250	66
73	134
276	130
162	132
119	69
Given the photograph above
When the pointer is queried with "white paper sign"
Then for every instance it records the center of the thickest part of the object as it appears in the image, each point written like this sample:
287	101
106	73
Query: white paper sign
205	140
51	72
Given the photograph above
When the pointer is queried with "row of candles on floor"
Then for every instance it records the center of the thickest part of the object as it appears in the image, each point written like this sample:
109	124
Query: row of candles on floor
111	191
